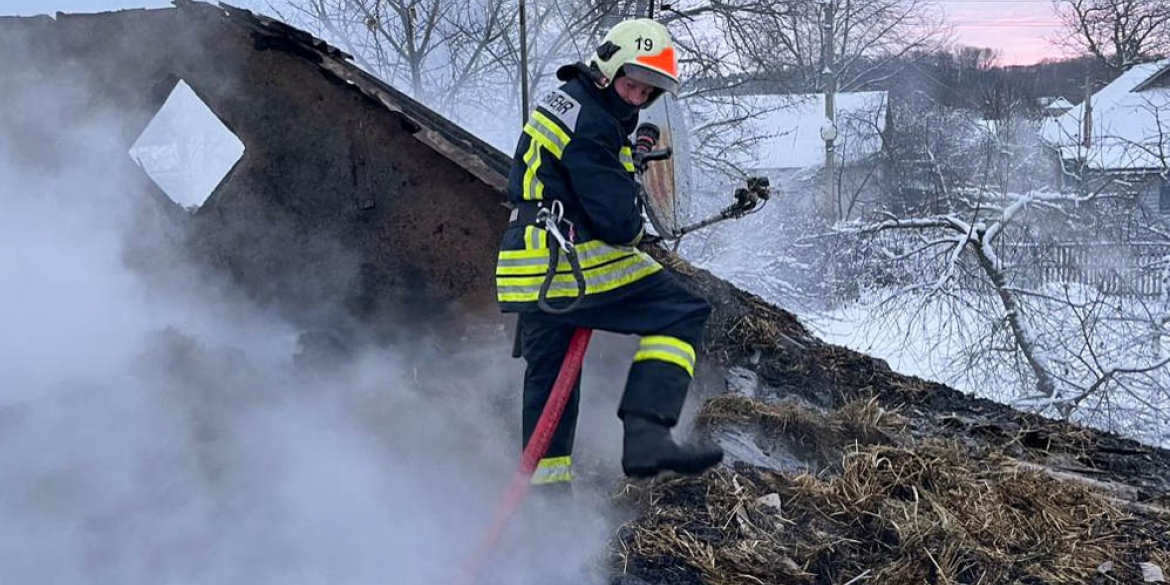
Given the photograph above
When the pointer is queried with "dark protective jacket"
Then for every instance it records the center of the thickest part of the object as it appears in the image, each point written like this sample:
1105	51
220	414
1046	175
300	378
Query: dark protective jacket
575	149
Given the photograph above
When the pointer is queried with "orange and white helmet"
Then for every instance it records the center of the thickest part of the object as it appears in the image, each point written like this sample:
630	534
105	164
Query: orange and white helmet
641	49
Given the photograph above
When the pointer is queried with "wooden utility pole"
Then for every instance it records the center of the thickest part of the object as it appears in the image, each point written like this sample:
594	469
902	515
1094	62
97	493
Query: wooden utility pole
829	132
1087	117
523	64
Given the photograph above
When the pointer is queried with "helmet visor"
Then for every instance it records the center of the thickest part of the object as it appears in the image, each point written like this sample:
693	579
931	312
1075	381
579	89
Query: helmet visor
651	77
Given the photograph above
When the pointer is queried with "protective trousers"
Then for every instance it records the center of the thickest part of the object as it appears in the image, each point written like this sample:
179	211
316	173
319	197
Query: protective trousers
670	321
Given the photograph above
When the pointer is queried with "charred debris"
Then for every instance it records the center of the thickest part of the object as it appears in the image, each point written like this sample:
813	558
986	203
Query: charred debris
339	214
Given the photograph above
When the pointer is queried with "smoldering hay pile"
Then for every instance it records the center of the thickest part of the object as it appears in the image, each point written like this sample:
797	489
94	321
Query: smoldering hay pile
842	471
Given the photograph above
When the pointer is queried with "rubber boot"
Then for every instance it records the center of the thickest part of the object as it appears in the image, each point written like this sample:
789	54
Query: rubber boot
649	449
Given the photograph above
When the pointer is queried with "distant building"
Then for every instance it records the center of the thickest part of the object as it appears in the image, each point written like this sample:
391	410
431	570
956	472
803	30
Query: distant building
1054	107
1119	139
787	146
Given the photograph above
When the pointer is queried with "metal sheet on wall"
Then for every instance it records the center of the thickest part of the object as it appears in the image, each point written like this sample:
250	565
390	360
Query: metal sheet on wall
668	182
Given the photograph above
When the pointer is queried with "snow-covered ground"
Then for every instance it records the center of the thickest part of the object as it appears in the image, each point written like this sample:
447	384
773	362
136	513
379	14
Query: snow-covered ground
851	326
921	339
1106	355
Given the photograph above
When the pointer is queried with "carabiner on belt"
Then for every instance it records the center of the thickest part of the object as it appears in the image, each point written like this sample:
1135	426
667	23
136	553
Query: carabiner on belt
551	218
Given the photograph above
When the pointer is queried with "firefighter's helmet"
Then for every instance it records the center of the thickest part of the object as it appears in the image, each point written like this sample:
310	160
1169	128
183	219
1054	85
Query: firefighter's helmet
642	49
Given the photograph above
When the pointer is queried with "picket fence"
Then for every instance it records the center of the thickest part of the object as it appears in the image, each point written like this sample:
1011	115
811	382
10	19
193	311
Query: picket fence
1122	269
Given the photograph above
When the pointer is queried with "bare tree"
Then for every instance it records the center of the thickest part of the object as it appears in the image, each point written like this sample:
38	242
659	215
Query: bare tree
949	237
1119	33
1089	353
1016	283
870	39
1109	347
393	39
775	47
974	60
460	57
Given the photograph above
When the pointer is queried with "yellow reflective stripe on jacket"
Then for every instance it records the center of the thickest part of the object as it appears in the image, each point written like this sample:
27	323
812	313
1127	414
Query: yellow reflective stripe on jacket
534	262
627	158
520	273
593	274
534	238
584	252
553	470
548	133
533	186
667	349
591	254
540	267
604	278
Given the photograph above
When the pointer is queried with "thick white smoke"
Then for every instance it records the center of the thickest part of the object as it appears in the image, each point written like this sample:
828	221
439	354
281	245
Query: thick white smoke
157	429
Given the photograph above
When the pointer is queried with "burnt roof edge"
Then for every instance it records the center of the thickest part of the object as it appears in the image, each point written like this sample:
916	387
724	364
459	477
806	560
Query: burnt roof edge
445	137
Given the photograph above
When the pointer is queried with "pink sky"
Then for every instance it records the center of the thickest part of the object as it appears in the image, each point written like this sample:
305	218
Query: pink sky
1019	29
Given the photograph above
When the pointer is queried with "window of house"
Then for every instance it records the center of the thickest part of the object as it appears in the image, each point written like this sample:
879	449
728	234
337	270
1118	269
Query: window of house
186	149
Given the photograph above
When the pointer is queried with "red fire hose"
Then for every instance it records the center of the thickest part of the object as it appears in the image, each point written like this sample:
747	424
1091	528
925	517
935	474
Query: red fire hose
533	453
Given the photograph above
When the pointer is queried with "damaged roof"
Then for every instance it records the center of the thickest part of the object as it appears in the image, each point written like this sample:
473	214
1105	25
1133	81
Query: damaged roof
444	136
432	129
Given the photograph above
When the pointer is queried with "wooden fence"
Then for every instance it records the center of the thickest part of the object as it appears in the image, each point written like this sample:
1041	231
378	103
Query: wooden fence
1124	269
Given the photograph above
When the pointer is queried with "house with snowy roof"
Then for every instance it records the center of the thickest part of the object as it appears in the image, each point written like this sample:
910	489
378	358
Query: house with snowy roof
783	132
1119	138
1054	106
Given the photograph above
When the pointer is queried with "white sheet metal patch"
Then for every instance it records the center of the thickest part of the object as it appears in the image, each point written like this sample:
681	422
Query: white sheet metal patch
563	107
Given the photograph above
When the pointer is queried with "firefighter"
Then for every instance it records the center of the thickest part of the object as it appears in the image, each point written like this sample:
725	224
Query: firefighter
574	164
